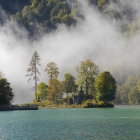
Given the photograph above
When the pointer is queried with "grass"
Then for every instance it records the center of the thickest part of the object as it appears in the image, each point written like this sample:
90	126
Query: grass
86	104
47	104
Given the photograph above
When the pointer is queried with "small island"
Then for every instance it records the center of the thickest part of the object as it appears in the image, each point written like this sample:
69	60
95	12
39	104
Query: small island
90	89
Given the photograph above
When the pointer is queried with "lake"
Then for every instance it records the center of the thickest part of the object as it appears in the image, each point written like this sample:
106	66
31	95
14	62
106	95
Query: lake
120	123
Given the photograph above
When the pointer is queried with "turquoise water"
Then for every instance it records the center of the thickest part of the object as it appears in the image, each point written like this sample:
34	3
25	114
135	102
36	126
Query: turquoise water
71	124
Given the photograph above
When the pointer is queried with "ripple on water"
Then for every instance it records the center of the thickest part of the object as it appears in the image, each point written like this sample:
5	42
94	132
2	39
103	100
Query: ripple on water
71	124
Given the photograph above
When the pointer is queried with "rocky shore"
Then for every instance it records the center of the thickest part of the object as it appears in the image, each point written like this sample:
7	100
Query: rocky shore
18	107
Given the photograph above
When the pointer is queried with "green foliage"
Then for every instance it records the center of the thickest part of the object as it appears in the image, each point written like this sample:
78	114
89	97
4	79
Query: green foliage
101	3
138	85
105	86
134	96
6	93
125	89
69	84
134	92
87	72
55	89
94	104
45	13
89	103
68	19
42	91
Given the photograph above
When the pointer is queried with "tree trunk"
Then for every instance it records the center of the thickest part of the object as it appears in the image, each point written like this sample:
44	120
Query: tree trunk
87	87
35	81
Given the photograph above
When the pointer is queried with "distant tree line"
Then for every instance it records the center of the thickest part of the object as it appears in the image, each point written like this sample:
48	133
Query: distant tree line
128	92
89	84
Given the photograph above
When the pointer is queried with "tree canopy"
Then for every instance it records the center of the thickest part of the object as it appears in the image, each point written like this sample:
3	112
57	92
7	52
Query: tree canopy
55	86
42	91
45	15
106	87
87	72
69	83
6	93
52	70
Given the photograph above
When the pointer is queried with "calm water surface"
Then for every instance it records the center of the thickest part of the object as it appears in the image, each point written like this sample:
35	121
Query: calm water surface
121	123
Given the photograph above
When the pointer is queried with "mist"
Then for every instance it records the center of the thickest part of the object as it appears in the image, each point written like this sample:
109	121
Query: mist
95	37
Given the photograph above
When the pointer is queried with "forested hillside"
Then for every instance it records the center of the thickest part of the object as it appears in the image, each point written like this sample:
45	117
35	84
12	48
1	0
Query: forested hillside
39	16
44	15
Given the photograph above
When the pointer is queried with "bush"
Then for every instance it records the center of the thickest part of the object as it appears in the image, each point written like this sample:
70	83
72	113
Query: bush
89	103
94	104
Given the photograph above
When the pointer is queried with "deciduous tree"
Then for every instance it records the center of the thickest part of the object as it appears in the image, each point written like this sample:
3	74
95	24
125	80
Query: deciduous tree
54	84
42	91
134	96
52	70
55	90
87	72
69	84
106	87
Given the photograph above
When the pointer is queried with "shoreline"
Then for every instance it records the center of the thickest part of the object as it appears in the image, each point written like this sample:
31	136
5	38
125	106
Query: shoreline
35	106
18	107
45	105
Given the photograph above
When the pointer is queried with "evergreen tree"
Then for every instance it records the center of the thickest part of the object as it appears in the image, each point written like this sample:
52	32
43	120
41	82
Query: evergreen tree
33	71
6	93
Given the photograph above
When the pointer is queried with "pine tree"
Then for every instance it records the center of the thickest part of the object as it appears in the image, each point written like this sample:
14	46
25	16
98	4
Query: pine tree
33	72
